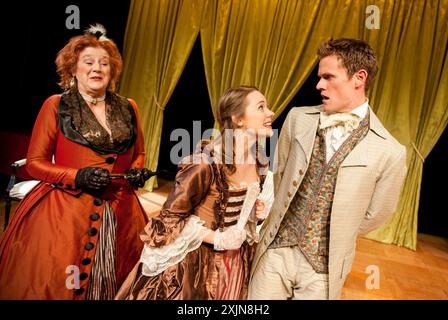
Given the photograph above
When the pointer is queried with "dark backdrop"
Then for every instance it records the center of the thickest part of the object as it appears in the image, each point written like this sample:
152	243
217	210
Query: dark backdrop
32	34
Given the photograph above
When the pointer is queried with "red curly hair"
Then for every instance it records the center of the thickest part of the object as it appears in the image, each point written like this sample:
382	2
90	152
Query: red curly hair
67	59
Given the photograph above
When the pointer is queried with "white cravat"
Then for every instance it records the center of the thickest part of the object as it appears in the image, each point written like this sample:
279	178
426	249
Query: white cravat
340	126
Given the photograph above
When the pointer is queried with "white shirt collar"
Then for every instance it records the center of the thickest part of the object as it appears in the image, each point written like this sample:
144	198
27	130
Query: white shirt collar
361	111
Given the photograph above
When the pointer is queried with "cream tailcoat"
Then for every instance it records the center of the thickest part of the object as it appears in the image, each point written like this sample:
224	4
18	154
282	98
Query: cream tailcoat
367	189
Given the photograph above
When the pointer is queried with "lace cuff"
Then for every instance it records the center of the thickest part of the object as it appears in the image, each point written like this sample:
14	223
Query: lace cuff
157	260
252	235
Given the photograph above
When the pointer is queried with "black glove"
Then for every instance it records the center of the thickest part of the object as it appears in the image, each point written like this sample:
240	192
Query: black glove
138	176
92	179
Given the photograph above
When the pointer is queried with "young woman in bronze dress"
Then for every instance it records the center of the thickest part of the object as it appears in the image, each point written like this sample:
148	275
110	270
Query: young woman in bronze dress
194	248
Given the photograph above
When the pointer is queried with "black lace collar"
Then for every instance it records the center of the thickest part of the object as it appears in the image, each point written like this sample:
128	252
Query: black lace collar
79	124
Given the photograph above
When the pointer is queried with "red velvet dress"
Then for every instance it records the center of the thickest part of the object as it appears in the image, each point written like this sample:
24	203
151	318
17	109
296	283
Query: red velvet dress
52	238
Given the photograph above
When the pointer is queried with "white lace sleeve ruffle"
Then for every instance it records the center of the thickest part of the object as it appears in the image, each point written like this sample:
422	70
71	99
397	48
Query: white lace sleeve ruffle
156	260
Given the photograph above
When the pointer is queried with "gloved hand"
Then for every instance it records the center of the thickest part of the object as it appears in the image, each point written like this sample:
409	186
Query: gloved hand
92	178
138	176
229	239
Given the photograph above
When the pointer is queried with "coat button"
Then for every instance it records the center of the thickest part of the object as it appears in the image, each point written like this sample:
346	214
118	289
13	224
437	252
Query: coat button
68	185
89	246
60	184
92	232
97	202
294	183
79	291
289	194
94	216
86	261
110	160
301	172
286	204
83	276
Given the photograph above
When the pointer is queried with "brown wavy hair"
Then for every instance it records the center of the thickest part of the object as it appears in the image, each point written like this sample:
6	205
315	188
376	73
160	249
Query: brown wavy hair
354	55
67	59
231	103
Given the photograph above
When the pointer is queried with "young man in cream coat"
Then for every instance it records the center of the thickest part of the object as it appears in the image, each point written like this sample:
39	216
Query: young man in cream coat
338	174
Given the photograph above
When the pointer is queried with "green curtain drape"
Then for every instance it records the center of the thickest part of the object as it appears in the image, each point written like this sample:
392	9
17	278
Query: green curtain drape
269	44
158	41
273	44
411	96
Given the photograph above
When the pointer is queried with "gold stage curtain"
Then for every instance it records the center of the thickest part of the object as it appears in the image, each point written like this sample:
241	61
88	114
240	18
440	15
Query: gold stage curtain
273	44
269	44
158	41
410	96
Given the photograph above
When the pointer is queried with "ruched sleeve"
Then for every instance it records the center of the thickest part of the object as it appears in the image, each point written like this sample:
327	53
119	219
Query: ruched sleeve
42	147
193	180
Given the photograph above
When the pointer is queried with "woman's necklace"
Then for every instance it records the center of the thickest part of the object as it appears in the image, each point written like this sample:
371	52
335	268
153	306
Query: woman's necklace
93	100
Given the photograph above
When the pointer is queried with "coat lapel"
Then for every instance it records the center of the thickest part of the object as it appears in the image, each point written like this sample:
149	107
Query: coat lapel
376	126
306	131
358	157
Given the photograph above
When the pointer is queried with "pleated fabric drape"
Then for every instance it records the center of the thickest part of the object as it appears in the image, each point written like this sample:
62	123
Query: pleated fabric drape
158	41
273	44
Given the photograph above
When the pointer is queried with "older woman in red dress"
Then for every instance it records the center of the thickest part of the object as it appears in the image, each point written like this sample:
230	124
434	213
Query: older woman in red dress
76	234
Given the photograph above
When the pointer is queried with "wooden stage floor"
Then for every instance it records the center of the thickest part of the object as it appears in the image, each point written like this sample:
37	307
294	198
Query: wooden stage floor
403	274
400	273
